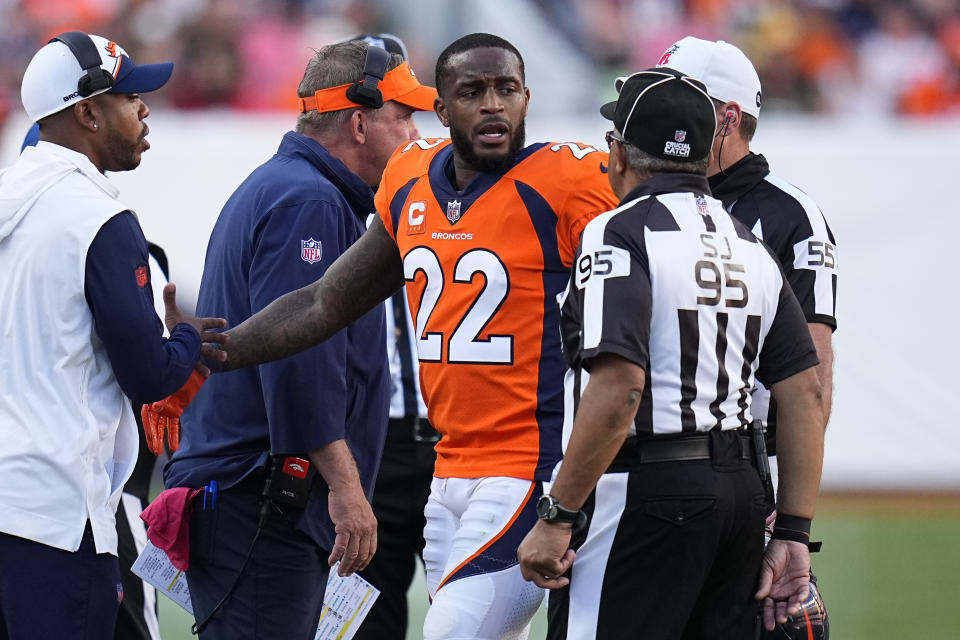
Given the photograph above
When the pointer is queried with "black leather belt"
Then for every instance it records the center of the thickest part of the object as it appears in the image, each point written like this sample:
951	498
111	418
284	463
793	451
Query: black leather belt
419	428
673	449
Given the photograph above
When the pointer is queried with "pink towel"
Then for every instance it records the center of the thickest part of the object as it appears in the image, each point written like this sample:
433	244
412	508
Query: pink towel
168	524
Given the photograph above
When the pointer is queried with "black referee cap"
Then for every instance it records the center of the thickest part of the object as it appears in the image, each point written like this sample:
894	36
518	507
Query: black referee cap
664	113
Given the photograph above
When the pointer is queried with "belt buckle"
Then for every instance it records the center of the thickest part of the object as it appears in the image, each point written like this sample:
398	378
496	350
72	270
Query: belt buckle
423	431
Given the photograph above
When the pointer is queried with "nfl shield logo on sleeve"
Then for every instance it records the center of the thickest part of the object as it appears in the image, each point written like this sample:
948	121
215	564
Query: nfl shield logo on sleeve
680	135
311	250
453	211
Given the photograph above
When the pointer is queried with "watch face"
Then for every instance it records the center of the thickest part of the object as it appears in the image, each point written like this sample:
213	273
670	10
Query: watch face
545	508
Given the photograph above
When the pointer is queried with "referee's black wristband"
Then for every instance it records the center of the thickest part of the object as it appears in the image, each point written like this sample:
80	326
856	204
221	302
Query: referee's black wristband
792	528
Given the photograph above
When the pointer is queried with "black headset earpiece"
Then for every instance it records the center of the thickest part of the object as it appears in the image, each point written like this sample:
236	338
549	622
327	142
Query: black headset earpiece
365	92
95	77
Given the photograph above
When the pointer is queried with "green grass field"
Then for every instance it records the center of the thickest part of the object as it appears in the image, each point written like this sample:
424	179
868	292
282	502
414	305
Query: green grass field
889	570
890	567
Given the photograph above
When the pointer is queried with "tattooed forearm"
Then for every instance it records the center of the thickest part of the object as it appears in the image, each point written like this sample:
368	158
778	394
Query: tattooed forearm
366	274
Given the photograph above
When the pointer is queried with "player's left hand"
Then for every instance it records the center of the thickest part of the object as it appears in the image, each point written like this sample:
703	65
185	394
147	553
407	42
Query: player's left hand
545	555
784	580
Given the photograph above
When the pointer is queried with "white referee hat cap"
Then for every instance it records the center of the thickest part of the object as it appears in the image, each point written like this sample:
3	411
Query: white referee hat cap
725	70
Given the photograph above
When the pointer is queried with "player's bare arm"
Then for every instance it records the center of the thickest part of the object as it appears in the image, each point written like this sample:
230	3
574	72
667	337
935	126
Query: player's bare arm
822	335
365	275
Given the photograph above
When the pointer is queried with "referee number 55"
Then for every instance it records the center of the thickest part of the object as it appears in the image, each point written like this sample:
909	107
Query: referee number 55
821	254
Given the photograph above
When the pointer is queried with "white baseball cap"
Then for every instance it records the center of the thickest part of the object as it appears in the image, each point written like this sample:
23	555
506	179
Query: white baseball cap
723	68
55	78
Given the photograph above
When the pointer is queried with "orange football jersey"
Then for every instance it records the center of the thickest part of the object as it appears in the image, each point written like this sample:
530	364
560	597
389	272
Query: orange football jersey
483	269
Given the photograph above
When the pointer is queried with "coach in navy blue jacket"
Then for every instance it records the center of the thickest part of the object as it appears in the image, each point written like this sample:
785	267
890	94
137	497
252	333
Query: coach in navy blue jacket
288	221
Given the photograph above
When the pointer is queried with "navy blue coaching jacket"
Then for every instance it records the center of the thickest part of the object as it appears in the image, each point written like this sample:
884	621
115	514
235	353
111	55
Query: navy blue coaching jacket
279	231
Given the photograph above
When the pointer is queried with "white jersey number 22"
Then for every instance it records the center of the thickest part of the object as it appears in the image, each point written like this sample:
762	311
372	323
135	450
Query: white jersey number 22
465	346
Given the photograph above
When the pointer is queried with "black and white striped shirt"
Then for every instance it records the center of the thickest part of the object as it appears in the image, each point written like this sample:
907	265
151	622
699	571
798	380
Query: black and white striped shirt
406	400
792	225
671	282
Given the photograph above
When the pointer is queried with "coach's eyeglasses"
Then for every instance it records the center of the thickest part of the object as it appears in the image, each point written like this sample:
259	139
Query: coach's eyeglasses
610	136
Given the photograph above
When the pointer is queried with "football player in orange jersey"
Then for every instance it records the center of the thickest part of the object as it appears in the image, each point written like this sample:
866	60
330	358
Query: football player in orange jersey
481	230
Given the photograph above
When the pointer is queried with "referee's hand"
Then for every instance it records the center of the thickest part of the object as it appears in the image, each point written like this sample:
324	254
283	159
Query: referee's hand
784	580
545	555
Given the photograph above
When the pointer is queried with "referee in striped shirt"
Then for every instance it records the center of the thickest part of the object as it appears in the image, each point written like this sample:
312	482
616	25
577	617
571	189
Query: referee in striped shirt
675	309
780	214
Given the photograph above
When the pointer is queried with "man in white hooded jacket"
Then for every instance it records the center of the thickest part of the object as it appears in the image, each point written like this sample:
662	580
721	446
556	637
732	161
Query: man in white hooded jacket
78	331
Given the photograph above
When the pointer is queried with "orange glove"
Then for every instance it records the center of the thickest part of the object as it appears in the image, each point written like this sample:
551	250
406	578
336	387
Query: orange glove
164	415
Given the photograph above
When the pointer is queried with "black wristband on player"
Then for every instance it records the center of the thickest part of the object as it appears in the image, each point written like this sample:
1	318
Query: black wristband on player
793	528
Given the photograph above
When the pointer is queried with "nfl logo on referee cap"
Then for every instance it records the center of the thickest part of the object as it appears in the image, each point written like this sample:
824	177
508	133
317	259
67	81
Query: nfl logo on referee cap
311	250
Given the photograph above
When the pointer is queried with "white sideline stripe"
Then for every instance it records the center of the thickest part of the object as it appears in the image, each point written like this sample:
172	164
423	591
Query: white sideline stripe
591	563
132	509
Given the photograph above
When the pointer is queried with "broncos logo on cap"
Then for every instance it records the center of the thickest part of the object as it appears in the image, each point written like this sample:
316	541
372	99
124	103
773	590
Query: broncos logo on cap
115	51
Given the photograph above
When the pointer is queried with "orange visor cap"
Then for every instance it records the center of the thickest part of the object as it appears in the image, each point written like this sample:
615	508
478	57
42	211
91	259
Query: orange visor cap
400	84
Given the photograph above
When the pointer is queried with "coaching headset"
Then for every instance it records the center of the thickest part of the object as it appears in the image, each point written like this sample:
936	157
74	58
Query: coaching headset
95	77
365	92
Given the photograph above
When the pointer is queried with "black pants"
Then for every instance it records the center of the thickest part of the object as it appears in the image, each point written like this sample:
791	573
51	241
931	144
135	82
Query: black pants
673	552
280	593
401	492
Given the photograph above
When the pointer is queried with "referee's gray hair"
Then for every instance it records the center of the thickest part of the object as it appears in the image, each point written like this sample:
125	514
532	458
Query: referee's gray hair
332	66
643	163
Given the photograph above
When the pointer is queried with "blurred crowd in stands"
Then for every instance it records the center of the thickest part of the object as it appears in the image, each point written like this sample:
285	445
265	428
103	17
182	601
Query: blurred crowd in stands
861	57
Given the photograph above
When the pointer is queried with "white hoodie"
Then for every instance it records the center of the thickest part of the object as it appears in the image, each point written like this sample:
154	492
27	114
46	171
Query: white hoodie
68	440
